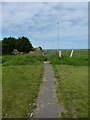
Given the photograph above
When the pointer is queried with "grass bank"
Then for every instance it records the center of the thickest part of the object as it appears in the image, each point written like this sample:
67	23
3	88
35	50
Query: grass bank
72	90
25	59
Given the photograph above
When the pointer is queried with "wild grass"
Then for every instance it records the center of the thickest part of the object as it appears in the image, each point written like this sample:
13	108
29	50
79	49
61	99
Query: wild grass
0	60
21	79
22	76
79	58
25	59
0	92
72	90
20	88
72	79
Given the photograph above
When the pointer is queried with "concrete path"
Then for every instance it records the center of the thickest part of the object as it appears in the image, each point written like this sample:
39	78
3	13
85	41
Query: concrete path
47	106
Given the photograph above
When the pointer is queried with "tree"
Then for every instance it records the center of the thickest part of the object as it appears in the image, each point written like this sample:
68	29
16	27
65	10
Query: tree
8	44
24	45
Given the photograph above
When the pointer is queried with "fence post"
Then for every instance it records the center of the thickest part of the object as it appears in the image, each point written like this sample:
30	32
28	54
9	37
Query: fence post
71	53
60	55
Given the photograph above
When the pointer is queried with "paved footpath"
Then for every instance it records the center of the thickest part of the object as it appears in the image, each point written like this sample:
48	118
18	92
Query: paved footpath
47	106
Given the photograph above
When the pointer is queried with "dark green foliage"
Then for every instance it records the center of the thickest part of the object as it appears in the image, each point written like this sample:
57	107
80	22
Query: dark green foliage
8	44
40	48
21	44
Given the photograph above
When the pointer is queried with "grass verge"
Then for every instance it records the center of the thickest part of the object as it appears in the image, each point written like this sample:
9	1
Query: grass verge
0	92
72	90
20	88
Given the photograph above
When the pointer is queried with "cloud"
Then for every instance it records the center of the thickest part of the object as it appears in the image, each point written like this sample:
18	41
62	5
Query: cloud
46	1
39	21
1	21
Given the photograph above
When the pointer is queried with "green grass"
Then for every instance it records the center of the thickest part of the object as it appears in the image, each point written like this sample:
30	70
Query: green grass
20	88
25	59
22	76
79	58
0	60
0	92
72	90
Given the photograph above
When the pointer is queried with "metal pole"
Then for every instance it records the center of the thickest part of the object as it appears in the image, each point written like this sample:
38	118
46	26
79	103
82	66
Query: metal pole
58	41
58	36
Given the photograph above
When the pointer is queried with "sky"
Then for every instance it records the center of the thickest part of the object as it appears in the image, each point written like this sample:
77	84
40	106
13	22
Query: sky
38	21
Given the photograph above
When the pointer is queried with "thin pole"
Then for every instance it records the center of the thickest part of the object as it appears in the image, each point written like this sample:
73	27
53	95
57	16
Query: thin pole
58	42
71	53
58	36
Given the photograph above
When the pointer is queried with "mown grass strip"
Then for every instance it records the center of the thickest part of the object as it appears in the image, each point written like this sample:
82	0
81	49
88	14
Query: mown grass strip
72	90
20	88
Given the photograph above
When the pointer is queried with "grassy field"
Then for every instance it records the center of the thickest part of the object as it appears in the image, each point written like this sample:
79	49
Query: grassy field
79	58
72	79
0	92
22	76
72	90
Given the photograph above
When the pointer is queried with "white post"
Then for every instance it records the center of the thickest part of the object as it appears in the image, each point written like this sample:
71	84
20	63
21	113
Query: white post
60	55
71	53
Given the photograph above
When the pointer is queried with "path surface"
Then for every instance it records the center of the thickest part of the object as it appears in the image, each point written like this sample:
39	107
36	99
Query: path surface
47	106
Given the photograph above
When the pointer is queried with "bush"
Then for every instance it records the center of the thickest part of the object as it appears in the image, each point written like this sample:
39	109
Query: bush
21	44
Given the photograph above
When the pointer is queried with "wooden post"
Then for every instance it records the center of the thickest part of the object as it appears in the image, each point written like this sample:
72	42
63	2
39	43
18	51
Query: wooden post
60	55
71	53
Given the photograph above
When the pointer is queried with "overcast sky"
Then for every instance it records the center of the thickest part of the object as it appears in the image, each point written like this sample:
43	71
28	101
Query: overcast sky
38	22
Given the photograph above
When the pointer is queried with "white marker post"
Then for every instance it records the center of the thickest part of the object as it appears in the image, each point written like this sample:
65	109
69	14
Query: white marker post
60	55
71	53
